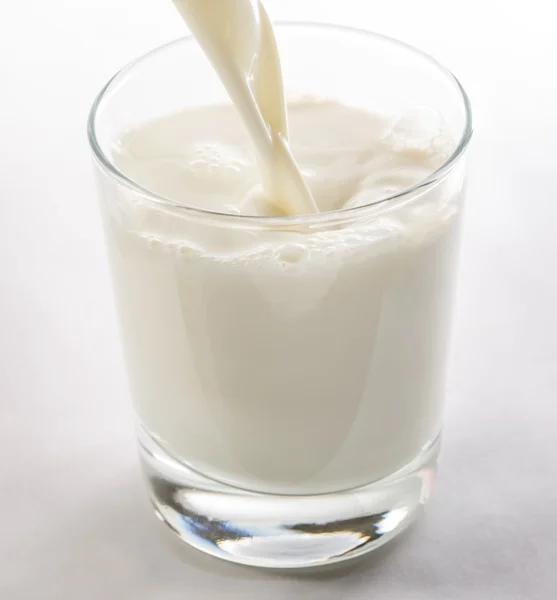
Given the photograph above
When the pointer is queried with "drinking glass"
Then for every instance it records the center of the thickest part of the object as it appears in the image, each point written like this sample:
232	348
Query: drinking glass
288	401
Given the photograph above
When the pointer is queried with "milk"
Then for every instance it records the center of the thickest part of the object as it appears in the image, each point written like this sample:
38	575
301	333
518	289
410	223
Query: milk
288	355
305	358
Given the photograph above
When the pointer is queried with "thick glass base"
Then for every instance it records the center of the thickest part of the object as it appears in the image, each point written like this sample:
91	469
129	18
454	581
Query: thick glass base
276	531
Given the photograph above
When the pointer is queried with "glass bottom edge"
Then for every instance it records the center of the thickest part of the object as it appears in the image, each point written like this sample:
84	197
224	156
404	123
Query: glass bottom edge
280	531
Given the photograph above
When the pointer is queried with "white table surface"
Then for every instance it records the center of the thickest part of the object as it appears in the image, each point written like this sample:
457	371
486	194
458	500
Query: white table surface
74	522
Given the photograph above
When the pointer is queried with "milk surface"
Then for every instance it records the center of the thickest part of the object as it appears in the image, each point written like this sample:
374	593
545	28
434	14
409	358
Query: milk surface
299	359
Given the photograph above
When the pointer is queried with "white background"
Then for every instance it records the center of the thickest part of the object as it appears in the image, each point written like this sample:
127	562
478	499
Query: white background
74	522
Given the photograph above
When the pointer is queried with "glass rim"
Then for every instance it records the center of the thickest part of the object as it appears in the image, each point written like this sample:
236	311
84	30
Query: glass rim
432	178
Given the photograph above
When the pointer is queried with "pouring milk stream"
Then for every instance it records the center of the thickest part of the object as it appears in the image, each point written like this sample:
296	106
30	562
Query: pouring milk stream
238	38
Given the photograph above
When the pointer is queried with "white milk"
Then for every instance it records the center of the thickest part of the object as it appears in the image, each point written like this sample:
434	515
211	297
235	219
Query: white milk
303	360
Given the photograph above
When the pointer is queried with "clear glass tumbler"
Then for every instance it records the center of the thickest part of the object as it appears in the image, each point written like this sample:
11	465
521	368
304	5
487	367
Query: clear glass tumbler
289	402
